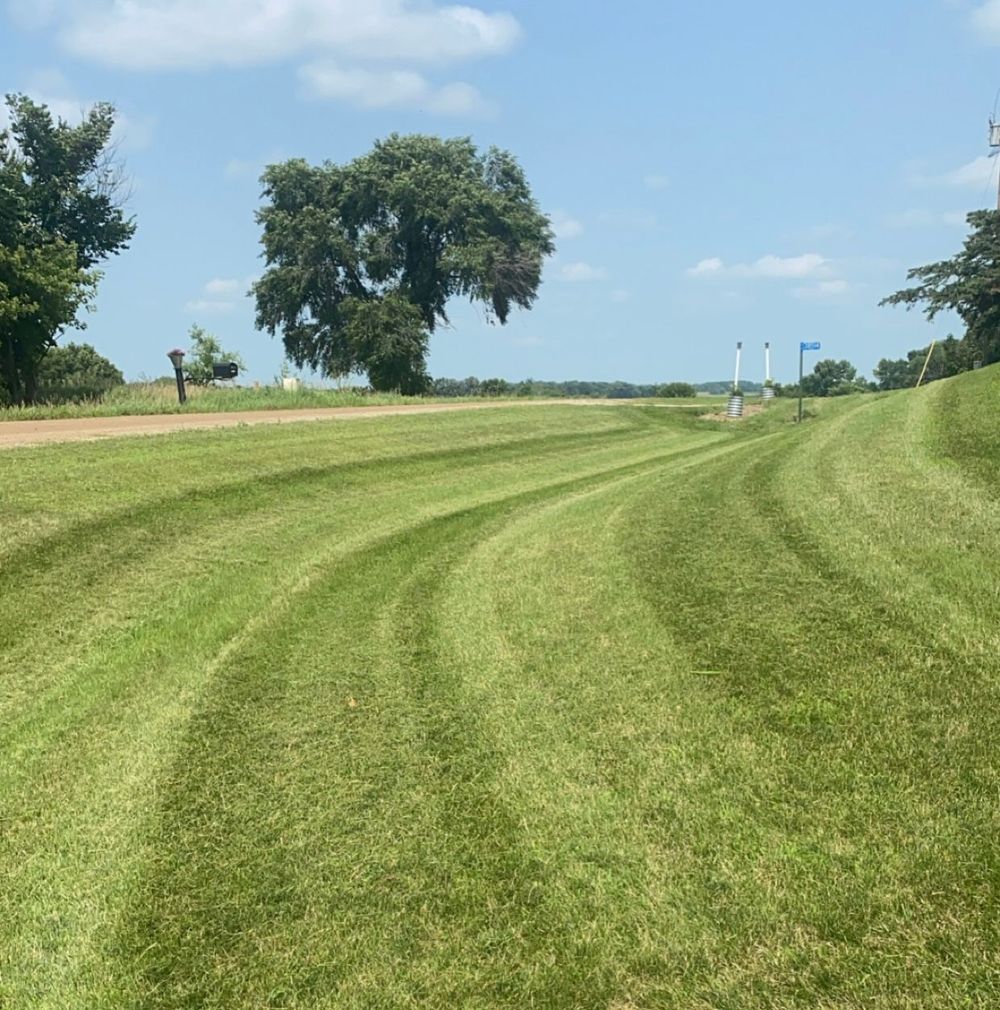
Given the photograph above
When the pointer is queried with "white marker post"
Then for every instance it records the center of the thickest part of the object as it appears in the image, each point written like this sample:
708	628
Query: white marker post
735	406
768	392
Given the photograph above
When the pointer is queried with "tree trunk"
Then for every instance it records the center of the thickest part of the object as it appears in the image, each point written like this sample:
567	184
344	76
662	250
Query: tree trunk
9	371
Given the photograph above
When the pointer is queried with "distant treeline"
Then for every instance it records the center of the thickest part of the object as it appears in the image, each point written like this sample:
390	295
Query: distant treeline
950	357
617	390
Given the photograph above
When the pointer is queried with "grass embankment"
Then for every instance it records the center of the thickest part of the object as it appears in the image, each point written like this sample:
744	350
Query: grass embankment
604	708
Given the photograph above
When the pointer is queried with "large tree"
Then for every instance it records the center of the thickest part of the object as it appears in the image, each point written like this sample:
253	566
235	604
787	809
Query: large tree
968	283
362	258
60	216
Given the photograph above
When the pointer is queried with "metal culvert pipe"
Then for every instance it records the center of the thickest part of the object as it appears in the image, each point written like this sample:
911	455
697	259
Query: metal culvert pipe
735	407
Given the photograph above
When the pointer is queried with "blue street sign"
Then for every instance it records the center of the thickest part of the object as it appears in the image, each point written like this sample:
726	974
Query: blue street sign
809	347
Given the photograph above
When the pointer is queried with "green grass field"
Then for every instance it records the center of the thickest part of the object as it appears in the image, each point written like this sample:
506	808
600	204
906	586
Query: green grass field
605	708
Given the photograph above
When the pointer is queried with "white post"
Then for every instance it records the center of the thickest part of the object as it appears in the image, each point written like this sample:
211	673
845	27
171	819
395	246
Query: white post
739	348
767	361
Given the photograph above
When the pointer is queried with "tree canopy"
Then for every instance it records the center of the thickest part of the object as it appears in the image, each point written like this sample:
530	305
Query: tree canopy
968	284
363	258
59	217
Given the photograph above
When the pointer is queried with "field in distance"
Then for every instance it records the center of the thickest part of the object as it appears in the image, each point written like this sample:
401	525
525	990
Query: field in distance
603	708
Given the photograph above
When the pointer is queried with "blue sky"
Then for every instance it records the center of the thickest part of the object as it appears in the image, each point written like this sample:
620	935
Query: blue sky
716	171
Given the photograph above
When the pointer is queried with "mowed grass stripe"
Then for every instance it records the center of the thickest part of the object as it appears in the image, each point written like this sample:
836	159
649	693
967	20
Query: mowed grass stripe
128	735
870	875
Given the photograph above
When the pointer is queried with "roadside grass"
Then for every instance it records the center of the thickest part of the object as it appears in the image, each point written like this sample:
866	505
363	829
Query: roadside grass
615	708
138	398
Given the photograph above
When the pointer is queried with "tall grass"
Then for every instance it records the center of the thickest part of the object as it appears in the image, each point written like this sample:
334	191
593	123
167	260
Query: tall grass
160	398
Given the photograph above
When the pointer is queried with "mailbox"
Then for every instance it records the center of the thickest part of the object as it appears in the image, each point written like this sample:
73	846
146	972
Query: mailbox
225	370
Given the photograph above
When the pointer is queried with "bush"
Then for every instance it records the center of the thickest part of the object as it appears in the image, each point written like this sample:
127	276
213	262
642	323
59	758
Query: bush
76	372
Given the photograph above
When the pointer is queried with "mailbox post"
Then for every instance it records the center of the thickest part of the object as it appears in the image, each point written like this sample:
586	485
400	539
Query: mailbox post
177	360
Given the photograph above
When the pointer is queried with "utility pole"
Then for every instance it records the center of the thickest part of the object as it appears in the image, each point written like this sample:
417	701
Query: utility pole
994	147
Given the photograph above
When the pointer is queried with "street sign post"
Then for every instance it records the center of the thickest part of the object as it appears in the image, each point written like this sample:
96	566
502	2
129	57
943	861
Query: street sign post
803	347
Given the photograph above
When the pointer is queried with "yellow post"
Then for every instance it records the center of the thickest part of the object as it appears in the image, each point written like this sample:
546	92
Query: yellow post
927	361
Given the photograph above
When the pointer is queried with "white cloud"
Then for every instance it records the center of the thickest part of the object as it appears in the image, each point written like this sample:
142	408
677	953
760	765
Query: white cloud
223	286
824	289
986	21
806	265
582	272
218	294
656	181
209	305
712	265
375	89
163	34
920	218
565	226
979	173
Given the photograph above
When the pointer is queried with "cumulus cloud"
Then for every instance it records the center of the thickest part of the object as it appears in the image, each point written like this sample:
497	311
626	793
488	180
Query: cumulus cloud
582	272
359	51
164	34
227	286
212	306
806	265
986	21
375	89
979	173
824	289
218	294
712	265
565	226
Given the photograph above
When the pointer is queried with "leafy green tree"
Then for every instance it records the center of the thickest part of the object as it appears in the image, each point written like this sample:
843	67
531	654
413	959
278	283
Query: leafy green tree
204	352
41	290
968	284
676	390
832	378
363	258
76	371
60	191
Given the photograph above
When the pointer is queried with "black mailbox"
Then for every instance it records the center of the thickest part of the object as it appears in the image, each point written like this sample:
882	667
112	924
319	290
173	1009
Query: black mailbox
225	370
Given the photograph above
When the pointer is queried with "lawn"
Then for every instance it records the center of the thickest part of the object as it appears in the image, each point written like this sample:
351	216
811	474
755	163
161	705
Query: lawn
604	707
